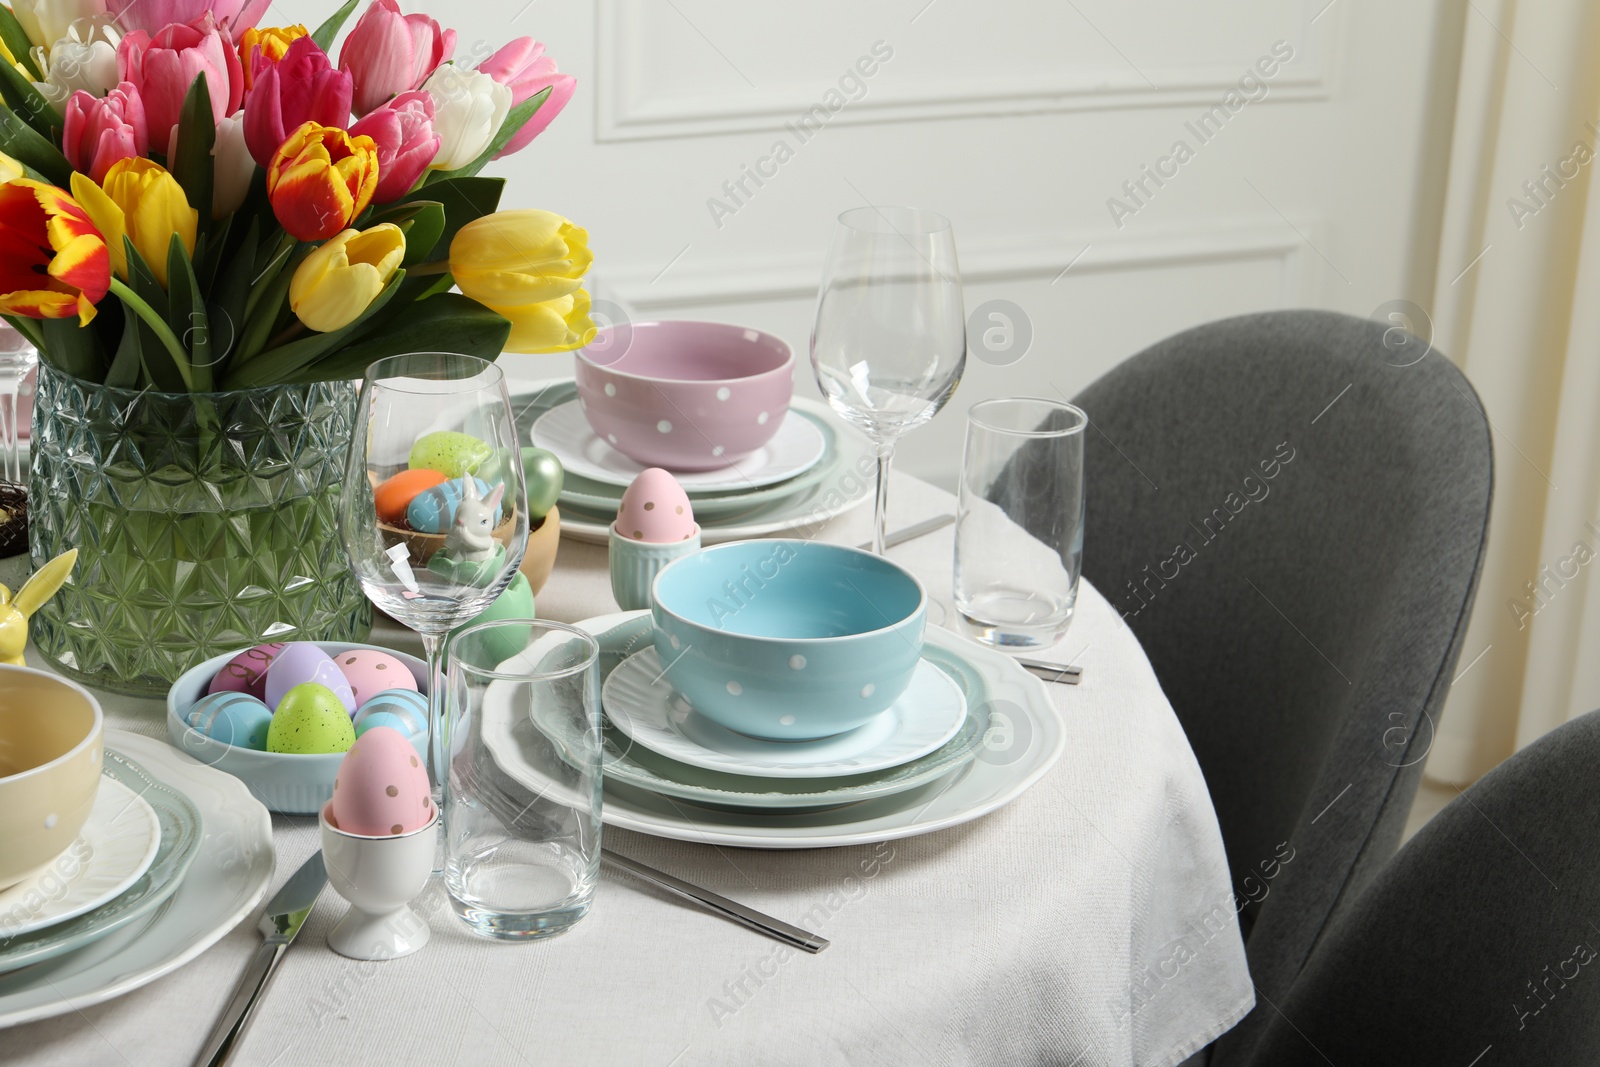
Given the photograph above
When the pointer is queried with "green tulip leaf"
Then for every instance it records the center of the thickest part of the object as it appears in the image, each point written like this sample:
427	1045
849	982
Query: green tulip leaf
423	222
25	100
129	360
74	348
159	364
330	29
446	323
519	117
32	149
230	296
265	308
16	39
187	316
194	166
288	363
464	199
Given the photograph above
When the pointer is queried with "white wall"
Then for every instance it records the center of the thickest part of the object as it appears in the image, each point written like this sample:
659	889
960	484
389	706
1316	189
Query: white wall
1018	119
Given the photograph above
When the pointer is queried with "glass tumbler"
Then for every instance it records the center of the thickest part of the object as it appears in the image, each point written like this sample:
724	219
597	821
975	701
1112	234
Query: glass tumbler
522	794
1019	522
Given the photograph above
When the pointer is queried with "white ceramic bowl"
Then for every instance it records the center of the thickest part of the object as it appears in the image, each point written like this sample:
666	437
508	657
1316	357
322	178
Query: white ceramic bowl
289	783
50	756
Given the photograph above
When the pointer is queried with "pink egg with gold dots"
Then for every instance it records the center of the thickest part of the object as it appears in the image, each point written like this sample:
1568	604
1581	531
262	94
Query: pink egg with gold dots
370	672
656	510
382	787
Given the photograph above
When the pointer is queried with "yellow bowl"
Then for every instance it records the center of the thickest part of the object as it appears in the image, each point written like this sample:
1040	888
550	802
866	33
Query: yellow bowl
51	748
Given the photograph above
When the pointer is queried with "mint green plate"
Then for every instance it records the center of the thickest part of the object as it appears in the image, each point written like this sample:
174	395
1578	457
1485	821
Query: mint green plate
633	765
181	832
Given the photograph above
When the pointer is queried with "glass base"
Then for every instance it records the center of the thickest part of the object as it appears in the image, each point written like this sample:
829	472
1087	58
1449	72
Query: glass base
1016	620
520	903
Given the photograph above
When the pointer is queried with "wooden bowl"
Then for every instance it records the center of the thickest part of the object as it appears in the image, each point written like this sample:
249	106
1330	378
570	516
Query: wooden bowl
424	545
543	540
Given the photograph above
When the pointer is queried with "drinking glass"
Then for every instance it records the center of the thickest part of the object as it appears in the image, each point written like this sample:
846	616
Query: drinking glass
17	358
890	340
435	582
522	797
1019	521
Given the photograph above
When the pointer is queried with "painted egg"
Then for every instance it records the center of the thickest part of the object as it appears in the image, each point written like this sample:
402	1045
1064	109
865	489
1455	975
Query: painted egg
301	662
395	495
237	719
247	672
544	476
450	453
405	710
382	787
655	509
434	510
370	672
310	719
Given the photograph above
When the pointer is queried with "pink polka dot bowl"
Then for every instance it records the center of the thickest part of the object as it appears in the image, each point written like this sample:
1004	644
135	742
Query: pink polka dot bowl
687	396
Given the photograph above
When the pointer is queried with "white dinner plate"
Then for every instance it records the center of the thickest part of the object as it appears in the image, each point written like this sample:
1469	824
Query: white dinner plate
116	845
639	702
1023	742
226	881
795	448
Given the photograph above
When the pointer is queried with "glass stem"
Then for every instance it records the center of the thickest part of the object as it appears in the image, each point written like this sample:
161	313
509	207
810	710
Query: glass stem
880	509
10	453
433	649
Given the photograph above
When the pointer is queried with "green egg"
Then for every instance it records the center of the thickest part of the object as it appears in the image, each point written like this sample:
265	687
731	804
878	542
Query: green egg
450	453
544	476
310	719
515	603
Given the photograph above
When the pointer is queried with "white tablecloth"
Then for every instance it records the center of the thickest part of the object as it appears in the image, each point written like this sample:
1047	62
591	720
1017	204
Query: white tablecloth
1090	922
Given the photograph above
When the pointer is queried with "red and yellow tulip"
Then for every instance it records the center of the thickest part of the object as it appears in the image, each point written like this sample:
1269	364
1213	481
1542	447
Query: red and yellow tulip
320	180
142	200
47	238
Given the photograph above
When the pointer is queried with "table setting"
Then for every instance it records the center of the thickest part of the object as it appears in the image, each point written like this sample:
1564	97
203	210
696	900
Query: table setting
361	701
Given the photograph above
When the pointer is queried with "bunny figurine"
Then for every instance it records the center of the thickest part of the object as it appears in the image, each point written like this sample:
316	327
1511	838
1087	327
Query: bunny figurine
15	611
471	538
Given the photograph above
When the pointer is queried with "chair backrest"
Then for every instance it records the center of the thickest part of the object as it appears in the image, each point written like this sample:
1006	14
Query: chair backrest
1480	943
1291	515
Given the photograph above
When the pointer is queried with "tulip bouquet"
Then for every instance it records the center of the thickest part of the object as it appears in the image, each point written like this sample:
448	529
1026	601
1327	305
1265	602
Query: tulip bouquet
262	214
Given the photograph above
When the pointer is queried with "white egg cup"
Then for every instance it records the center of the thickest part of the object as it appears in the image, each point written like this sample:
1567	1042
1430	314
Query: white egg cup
635	564
379	876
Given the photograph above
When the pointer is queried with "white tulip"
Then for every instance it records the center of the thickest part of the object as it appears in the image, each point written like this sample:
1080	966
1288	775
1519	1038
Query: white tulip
469	109
235	167
48	21
85	58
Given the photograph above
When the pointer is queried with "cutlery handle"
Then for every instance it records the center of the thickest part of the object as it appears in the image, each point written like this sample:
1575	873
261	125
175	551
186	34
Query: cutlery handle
237	1017
776	929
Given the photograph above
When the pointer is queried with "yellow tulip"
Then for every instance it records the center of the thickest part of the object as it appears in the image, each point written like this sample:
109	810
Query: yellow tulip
341	279
513	259
141	199
10	169
558	325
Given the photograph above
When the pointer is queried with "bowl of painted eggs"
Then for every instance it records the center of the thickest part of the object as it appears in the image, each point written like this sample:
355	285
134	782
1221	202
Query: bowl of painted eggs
281	716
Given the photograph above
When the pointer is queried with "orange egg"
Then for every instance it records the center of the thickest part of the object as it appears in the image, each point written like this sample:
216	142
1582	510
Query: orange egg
395	495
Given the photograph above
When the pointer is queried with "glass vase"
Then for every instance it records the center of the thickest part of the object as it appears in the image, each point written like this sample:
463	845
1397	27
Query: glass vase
204	523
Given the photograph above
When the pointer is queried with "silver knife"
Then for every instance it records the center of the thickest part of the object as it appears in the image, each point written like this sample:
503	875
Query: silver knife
282	921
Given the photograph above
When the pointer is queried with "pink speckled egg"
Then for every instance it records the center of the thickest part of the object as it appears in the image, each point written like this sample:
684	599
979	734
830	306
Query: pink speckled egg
370	672
300	662
247	672
382	787
655	509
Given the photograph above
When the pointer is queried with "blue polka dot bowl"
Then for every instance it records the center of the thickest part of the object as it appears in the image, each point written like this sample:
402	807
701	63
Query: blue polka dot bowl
788	640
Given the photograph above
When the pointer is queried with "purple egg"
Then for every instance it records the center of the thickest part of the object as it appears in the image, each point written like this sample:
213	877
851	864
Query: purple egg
301	662
246	672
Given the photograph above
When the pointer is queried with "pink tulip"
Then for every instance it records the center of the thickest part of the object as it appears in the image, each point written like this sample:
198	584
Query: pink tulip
164	66
403	132
235	16
100	131
389	53
299	88
525	69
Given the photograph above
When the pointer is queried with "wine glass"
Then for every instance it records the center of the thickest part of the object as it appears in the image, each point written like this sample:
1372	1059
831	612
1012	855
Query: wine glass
439	562
890	340
17	358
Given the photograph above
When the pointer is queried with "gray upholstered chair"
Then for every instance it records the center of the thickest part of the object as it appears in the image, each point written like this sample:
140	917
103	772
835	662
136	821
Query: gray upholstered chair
1479	943
1291	515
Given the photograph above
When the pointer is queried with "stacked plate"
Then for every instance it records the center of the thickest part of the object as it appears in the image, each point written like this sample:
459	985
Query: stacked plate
172	856
812	470
972	733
